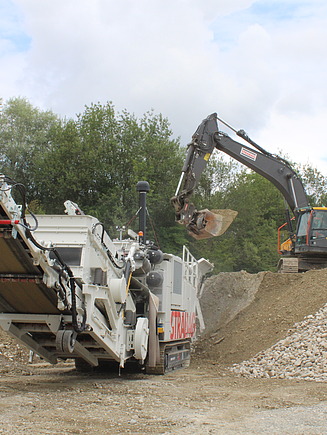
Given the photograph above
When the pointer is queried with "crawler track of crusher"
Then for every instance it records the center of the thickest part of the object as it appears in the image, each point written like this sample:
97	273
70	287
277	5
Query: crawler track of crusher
173	356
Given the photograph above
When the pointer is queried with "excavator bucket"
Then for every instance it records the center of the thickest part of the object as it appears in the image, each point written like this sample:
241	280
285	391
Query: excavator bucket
213	223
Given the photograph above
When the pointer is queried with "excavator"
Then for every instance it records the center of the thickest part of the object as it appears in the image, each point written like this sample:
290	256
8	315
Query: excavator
306	245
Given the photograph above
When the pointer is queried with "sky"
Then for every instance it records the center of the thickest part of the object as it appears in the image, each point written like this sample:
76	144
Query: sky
261	65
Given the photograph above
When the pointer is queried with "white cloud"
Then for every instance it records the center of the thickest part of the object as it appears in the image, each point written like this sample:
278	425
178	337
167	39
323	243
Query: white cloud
260	64
299	137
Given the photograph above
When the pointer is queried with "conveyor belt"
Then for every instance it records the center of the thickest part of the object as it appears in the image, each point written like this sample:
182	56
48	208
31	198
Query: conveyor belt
14	256
21	287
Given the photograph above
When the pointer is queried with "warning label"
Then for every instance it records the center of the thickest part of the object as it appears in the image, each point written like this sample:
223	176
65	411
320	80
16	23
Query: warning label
249	154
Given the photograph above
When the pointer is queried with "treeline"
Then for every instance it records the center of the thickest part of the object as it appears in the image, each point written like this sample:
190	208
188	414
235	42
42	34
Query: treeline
97	159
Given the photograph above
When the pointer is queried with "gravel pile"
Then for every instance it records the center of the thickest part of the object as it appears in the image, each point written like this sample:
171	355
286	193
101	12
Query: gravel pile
301	355
11	350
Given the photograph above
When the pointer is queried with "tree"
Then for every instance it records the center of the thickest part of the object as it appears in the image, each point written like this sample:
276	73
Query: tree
62	171
129	150
315	184
97	160
23	129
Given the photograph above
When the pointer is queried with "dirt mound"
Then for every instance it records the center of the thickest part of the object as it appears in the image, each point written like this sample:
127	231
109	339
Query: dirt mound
266	306
225	295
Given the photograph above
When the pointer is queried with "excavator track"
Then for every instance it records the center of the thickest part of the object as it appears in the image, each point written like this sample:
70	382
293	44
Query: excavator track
288	265
301	264
173	356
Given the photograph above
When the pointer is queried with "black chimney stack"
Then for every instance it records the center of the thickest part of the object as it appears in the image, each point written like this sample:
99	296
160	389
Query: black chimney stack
143	188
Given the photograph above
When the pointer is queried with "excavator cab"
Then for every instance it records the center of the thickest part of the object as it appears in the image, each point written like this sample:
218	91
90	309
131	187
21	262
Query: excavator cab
312	231
306	248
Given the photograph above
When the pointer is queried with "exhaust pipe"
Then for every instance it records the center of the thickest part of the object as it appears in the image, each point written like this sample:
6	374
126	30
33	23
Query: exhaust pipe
143	188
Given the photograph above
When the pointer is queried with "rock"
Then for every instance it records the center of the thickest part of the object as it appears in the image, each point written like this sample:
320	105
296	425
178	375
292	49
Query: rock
301	355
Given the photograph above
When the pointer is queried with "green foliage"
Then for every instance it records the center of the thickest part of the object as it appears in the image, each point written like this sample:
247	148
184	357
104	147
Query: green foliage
97	159
217	179
23	129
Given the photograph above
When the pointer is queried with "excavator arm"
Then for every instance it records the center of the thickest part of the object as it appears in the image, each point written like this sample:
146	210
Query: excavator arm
201	224
204	224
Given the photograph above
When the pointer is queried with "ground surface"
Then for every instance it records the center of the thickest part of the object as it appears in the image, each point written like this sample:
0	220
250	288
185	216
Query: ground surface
193	401
206	398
